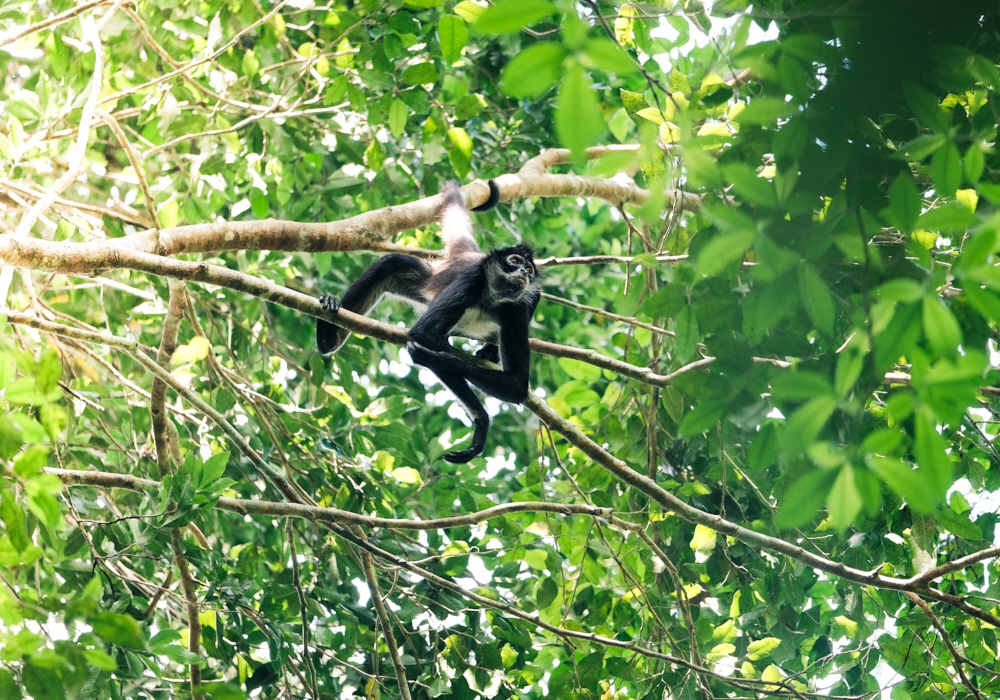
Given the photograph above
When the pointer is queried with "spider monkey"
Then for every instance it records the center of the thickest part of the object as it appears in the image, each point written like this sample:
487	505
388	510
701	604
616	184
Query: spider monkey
485	296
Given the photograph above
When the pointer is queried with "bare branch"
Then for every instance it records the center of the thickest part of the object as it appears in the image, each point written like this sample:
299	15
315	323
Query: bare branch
922	604
140	174
383	619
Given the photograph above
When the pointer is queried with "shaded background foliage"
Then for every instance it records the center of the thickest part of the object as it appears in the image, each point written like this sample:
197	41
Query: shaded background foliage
847	230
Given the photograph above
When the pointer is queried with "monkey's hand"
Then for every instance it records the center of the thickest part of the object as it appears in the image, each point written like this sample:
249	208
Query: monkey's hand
329	303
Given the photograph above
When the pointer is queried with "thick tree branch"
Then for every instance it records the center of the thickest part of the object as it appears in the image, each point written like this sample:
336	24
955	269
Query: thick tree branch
368	231
57	257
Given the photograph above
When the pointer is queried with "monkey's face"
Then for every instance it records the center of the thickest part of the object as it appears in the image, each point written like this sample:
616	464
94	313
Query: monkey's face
520	270
512	273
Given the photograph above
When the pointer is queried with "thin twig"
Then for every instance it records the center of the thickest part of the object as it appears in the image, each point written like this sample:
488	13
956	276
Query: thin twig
383	619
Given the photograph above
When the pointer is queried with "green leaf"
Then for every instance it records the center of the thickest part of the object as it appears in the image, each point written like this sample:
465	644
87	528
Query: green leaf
974	163
949	218
701	418
687	334
14	521
507	16
420	74
666	302
118	629
578	114
703	540
940	327
922	146
250	64
904	203
532	71
374	155
765	111
959	525
803	500
925	107
849	366
902	479
762	648
453	35
634	102
722	251
9	689
805	424
946	169
546	593
610	57
750	187
469	11
844	501
42	683
930	449
799	385
580	370
460	150
398	114
900	289
99	659
469	106
214	468
816	299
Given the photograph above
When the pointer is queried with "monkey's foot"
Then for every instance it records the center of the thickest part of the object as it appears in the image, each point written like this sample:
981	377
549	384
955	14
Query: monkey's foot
329	303
476	448
489	352
463	456
423	355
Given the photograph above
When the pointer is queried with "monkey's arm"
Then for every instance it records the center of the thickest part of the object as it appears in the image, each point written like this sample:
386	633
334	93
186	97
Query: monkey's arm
507	384
402	275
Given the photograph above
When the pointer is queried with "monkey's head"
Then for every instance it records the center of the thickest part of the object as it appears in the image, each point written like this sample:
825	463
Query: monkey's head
511	272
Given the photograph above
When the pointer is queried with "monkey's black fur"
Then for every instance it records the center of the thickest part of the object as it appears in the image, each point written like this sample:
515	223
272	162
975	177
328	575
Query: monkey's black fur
486	296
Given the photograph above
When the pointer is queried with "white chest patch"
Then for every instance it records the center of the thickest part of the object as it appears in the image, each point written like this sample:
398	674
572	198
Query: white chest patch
476	325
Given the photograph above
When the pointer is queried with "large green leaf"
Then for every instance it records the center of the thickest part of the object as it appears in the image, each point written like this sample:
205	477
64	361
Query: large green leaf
508	16
578	114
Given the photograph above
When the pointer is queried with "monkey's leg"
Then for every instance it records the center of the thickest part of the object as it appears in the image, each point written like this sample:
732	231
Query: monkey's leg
451	376
403	275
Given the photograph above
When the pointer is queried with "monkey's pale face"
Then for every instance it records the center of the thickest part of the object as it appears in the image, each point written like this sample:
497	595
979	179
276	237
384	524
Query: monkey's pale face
519	270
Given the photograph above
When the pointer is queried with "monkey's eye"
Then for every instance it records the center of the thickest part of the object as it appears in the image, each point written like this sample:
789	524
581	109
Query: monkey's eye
515	261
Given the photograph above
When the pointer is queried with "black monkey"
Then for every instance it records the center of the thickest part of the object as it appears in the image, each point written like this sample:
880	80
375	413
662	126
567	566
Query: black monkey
485	296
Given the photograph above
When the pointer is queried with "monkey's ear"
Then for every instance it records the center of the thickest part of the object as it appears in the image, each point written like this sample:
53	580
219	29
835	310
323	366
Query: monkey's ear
493	200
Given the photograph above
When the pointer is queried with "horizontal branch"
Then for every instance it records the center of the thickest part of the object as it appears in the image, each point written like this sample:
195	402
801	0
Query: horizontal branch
342	517
332	515
607	260
371	230
57	257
